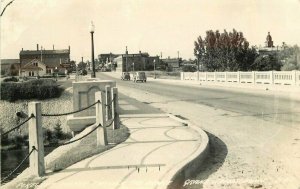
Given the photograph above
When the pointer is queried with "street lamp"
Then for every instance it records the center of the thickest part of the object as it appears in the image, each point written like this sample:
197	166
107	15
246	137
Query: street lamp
133	66
154	69
198	66
92	29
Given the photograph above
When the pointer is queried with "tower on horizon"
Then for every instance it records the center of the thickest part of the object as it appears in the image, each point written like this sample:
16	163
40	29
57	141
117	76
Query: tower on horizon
269	42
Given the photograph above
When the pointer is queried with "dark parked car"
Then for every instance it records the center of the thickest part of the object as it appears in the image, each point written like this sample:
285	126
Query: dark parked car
139	76
125	76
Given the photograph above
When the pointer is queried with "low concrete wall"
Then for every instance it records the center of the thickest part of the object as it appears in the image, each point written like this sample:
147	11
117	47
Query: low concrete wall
187	168
255	77
83	96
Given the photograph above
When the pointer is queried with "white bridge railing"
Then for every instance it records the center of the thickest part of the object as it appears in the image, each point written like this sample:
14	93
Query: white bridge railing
266	77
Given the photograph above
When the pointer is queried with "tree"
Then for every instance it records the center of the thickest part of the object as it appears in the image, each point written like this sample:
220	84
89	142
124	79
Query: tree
72	66
82	66
290	58
189	68
58	130
266	63
224	51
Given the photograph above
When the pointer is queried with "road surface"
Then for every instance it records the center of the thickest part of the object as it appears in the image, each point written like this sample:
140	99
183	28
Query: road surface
255	137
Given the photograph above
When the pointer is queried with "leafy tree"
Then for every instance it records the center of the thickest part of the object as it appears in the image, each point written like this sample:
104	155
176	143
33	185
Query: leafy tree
267	63
82	66
224	51
290	58
189	68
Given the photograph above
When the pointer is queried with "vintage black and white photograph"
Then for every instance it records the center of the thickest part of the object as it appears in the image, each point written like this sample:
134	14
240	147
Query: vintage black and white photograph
150	94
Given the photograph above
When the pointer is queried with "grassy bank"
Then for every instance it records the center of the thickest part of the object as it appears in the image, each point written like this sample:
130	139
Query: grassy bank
88	147
67	155
8	118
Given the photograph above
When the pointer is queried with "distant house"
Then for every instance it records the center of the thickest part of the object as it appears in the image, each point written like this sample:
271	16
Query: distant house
172	62
135	62
34	68
108	57
129	62
54	60
10	67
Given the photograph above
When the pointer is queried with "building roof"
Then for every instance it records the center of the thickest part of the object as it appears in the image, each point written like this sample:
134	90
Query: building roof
10	61
170	60
34	52
31	66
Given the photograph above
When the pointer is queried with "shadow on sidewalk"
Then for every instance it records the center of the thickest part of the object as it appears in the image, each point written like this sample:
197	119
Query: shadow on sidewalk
132	106
214	160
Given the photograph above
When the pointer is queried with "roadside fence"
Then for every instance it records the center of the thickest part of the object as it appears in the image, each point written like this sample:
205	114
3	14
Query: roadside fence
107	114
254	77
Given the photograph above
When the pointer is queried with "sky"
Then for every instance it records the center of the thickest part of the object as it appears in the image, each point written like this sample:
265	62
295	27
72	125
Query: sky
152	26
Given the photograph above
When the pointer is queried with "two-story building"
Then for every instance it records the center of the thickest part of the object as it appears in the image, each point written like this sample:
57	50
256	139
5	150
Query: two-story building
41	61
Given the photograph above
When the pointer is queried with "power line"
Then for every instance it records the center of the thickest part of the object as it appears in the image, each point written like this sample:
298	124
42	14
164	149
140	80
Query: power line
6	6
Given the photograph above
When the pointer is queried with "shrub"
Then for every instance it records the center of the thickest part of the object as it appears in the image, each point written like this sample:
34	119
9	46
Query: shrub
11	79
33	89
189	68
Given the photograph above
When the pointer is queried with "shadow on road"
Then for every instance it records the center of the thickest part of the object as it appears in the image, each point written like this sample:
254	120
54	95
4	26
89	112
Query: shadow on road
214	160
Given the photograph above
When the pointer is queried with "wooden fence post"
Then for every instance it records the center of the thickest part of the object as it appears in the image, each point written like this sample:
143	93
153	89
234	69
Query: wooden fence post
100	119
35	130
115	107
108	102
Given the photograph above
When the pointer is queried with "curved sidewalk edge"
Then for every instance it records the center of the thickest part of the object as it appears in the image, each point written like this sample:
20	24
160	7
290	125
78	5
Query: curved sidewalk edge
188	167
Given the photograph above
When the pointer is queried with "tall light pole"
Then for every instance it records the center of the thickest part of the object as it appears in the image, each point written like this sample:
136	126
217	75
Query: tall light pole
154	69
198	66
92	30
126	52
133	66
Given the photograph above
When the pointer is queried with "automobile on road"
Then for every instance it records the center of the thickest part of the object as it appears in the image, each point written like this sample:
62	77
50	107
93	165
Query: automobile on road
139	76
125	76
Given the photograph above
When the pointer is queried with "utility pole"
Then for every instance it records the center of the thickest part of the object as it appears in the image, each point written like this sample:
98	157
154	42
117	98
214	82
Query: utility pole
126	54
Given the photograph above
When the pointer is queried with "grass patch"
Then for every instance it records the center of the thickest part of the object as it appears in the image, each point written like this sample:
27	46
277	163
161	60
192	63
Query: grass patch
88	148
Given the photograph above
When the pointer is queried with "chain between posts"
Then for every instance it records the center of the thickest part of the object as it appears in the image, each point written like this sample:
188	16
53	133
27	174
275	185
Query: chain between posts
110	103
112	120
69	142
28	155
18	126
80	110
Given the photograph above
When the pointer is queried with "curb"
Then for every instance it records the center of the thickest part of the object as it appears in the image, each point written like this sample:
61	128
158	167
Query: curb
189	166
143	115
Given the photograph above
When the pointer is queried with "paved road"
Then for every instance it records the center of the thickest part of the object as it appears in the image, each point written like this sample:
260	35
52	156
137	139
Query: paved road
255	137
282	110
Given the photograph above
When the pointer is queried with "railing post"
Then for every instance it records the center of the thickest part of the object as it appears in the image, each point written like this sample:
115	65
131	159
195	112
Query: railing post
271	77
253	77
238	77
108	102
115	108
294	77
100	119
205	76
215	76
35	130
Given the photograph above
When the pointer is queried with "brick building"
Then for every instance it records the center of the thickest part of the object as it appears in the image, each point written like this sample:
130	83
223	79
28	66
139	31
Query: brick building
54	60
135	62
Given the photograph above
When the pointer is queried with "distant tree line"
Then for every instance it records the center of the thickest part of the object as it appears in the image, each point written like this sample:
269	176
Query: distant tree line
230	51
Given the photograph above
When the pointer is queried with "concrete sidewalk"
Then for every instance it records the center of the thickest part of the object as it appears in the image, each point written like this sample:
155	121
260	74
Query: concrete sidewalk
159	146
